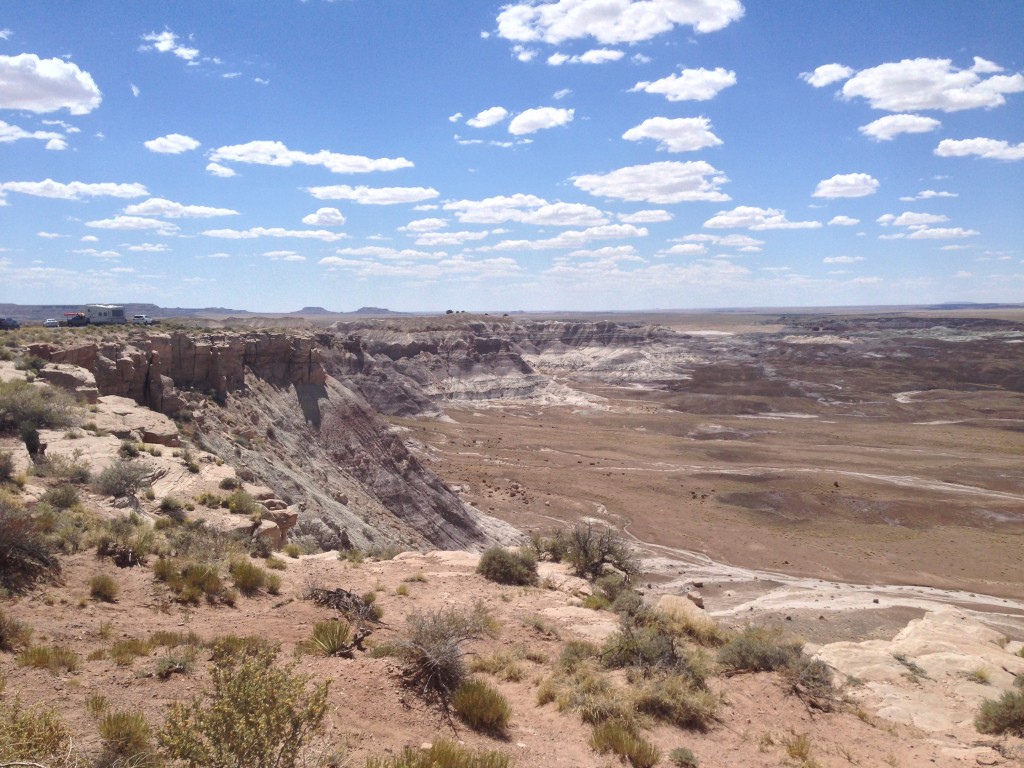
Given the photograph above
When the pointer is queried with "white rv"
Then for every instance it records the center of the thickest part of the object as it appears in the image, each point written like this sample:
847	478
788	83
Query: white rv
101	314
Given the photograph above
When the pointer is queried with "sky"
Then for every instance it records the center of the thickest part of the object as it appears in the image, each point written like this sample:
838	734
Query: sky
529	155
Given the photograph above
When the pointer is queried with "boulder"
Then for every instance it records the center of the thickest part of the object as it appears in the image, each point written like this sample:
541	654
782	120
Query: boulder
695	597
72	378
122	416
268	531
284	518
274	504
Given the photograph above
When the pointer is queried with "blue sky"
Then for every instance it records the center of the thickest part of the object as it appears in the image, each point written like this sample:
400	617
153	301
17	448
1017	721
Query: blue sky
554	154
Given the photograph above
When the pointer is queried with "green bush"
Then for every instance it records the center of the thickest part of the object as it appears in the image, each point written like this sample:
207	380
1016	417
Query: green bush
621	739
1002	715
126	739
6	466
242	503
14	634
505	567
248	577
74	468
673	699
229	484
41	407
53	658
129	449
122	478
757	649
683	758
331	637
240	645
103	587
442	754
591	551
25	553
432	648
62	496
32	733
481	707
125	651
256	715
126	540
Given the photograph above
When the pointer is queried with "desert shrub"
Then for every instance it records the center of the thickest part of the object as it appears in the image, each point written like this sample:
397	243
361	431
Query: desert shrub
757	649
166	639
503	665
811	680
240	645
126	650
74	468
173	508
590	551
674	699
14	634
442	754
242	503
25	554
275	563
575	653
103	587
553	548
229	484
402	590
96	704
248	577
195	541
175	663
292	549
6	466
683	758
129	449
209	500
481	707
62	496
1002	715
193	582
506	567
622	740
42	407
653	648
122	478
32	733
126	739
127	540
698	627
331	637
53	658
385	551
432	647
257	714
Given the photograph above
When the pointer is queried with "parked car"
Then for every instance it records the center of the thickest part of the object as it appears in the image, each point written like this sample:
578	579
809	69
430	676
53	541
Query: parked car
51	322
9	324
142	319
77	320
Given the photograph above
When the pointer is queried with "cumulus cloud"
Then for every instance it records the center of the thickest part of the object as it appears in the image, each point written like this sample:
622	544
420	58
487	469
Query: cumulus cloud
572	238
283	256
847	185
256	232
373	195
743	242
533	120
167	42
611	21
685	249
216	169
424	225
134	223
171	144
652	216
525	209
459	267
381	252
675	134
135	90
843	221
11	133
488	117
149	248
988	148
690	84
827	74
750	217
941	233
661	183
927	194
157	206
455	118
842	259
911	219
595	56
74	190
561	94
888	127
324	217
912	85
277	154
46	85
431	239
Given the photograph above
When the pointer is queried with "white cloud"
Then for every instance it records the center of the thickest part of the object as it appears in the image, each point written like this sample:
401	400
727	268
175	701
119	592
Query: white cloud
98	254
533	120
455	118
157	206
847	185
219	255
690	84
11	133
57	143
842	259
611	21
424	225
135	90
488	117
927	194
171	144
890	126
46	85
962	274
911	219
572	238
661	183
49	235
561	94
827	74
432	239
277	154
216	169
89	239
525	209
149	248
595	56
255	232
686	249
75	190
675	134
5	34
134	223
941	233
523	53
843	221
373	195
743	242
757	219
912	85
324	217
988	148
394	254
610	253
283	256
652	216
167	42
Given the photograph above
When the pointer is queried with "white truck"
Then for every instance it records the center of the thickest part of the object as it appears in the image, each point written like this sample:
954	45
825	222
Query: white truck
105	314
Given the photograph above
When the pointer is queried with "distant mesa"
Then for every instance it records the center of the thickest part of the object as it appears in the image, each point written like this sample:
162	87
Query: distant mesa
314	311
374	311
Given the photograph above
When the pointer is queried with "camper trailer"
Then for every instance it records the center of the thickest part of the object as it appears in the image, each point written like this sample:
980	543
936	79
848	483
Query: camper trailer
101	314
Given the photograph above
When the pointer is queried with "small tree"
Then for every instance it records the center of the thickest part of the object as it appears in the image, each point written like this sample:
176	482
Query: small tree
122	478
590	550
258	715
